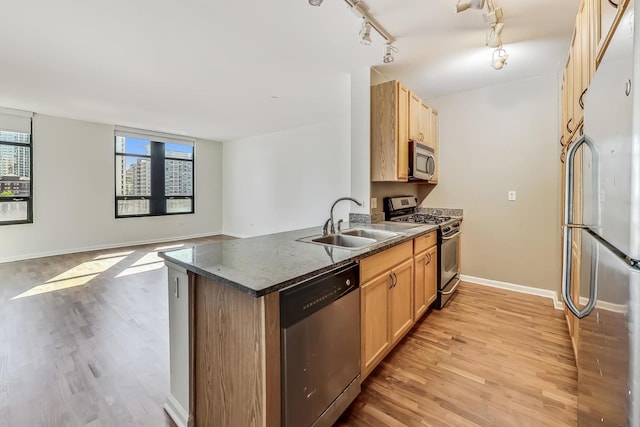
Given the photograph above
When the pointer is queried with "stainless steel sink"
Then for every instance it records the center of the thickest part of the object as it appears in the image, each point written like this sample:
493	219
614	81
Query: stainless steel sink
353	239
344	241
377	235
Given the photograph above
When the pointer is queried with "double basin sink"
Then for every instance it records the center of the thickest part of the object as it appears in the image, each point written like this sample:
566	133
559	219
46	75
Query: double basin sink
353	239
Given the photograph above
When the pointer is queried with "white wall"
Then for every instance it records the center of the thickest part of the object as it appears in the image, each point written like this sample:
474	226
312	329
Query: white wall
286	180
361	139
493	140
73	188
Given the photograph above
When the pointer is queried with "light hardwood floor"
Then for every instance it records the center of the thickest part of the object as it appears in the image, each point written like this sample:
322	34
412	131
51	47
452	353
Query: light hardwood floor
84	342
490	358
84	339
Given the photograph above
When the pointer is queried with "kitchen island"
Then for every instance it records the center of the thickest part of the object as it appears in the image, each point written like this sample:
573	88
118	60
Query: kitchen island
224	317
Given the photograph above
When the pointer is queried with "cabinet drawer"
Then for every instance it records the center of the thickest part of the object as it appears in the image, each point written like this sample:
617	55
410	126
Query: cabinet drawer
423	243
374	265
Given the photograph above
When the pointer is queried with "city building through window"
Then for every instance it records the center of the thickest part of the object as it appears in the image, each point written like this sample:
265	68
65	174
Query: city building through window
153	174
16	193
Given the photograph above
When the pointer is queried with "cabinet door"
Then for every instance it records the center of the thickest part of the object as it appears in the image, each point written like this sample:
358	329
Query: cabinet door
401	301
374	315
403	133
434	139
425	123
180	342
415	111
431	275
419	285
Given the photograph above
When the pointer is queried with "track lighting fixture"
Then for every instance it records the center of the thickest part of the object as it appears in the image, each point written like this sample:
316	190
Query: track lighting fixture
389	50
499	58
365	32
469	4
315	2
494	36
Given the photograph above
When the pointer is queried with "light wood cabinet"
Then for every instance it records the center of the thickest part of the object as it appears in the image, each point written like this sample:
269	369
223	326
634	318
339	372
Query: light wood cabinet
386	298
389	132
434	140
398	116
419	119
425	263
374	300
401	301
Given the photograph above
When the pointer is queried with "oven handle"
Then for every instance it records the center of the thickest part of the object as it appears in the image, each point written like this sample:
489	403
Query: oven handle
452	236
453	289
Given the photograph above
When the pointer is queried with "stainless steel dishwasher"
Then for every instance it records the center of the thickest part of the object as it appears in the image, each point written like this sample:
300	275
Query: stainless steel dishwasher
320	343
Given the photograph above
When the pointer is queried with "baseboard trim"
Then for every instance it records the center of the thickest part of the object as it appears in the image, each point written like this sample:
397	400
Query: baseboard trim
608	306
108	246
236	235
557	304
177	412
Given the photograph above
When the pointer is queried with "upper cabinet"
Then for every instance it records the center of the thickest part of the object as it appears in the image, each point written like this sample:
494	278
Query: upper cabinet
606	15
419	119
389	132
397	117
595	22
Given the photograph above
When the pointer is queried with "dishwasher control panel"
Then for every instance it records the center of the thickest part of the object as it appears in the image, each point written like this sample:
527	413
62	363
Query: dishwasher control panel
306	298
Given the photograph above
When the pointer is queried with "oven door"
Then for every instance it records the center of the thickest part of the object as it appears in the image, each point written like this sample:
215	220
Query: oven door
449	258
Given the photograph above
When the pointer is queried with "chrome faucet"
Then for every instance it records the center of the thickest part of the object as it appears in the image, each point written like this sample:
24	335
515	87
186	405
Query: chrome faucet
330	220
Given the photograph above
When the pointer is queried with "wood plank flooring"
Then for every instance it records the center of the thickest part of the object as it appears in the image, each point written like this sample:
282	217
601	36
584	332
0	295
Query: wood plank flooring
84	339
84	342
490	358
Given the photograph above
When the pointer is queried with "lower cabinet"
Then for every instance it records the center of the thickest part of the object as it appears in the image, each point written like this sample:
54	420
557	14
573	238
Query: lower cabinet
386	299
425	281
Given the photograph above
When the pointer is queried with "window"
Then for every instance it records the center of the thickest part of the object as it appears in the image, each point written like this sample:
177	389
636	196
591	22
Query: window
153	174
16	193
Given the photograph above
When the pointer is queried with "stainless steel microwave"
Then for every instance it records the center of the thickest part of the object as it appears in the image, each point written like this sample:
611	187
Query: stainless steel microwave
422	162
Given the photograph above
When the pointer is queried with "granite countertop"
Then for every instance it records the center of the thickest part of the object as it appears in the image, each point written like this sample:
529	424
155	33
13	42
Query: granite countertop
265	264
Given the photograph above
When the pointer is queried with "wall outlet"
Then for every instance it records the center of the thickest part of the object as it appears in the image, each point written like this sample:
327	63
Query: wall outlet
511	196
374	203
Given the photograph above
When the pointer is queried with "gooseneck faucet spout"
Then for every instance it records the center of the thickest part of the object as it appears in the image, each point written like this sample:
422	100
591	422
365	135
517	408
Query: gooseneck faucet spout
330	220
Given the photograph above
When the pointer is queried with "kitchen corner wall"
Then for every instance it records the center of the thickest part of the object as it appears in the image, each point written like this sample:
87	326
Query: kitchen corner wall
286	180
493	140
73	179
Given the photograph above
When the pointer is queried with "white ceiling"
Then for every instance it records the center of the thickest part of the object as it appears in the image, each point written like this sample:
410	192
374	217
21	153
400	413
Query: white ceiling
211	68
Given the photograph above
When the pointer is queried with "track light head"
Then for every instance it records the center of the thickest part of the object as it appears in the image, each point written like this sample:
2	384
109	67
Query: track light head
365	32
389	50
499	58
315	2
469	4
494	37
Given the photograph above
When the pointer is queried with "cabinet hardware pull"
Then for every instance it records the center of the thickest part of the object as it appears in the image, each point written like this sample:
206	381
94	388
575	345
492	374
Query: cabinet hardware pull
614	4
391	280
177	279
627	88
568	123
580	100
395	279
428	259
562	141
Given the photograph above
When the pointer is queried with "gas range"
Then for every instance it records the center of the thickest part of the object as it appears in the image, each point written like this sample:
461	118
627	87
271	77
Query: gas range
403	209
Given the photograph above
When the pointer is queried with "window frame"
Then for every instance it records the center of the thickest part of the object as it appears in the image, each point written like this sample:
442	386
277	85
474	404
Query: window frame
157	156
17	199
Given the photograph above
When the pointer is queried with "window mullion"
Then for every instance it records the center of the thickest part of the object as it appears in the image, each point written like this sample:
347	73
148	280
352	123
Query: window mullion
158	205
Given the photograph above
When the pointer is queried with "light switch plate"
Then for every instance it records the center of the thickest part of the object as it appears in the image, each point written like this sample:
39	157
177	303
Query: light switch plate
511	196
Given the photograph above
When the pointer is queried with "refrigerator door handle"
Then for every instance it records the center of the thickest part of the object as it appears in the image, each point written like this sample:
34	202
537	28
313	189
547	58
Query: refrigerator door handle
569	226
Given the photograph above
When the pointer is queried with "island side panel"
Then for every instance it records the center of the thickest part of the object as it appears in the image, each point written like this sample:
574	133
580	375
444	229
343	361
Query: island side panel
237	357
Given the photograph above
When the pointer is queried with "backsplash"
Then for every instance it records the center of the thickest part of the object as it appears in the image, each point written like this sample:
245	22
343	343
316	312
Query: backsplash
359	218
440	211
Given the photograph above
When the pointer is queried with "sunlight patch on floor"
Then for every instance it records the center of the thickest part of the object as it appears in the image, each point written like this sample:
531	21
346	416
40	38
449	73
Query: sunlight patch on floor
76	276
135	269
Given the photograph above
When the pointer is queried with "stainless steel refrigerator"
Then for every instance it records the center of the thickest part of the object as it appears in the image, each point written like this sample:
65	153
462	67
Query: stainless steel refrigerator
606	162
